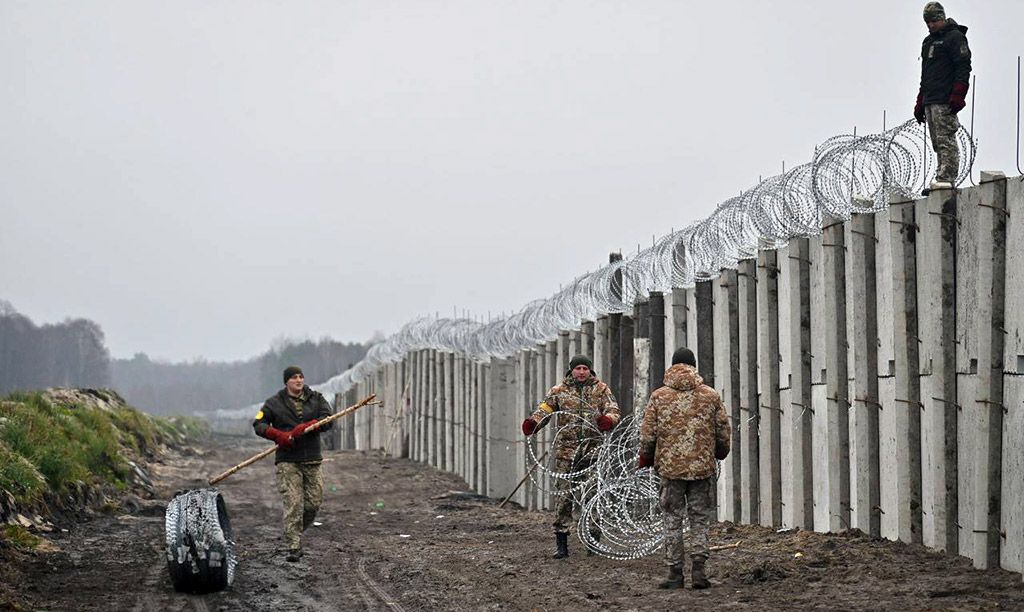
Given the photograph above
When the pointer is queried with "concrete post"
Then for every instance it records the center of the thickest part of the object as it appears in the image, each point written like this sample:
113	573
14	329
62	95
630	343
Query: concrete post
1011	553
563	356
434	411
836	423
626	361
574	344
677	337
524	378
656	370
614	374
601	360
861	267
801	462
981	321
704	298
501	447
483	454
587	341
641	365
936	269
449	411
907	490
770	408
749	411
727	381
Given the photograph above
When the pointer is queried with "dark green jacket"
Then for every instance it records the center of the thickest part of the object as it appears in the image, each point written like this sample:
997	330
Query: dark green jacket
279	412
945	59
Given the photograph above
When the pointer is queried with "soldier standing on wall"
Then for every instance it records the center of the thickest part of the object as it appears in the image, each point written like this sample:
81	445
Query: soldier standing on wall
585	407
945	75
283	418
684	430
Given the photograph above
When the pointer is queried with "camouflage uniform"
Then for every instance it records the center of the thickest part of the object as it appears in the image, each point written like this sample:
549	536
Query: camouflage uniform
299	479
301	486
685	427
576	445
945	62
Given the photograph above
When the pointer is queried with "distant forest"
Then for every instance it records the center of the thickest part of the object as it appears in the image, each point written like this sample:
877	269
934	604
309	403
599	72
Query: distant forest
73	354
68	354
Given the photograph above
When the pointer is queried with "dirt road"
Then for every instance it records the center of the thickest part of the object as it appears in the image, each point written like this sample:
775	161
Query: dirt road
395	537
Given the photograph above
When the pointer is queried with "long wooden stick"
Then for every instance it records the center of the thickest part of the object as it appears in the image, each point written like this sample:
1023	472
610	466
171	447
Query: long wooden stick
523	479
725	546
311	428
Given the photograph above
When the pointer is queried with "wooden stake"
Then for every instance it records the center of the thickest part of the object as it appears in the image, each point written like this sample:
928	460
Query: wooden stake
523	479
311	428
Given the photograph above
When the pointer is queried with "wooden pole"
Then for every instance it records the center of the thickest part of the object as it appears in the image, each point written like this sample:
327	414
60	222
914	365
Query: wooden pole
314	427
523	479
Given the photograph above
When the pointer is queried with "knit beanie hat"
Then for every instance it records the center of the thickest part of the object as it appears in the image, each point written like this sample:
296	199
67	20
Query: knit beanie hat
291	371
684	355
933	11
581	360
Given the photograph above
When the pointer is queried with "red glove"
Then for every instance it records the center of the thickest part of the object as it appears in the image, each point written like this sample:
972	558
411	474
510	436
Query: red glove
529	426
919	108
282	438
605	422
956	98
644	460
299	429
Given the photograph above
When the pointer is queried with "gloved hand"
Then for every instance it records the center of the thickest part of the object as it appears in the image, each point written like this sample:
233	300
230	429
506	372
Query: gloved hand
301	427
529	426
919	108
605	422
956	98
644	460
282	438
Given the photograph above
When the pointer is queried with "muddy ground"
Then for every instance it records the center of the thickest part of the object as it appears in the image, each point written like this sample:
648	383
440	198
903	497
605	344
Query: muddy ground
428	548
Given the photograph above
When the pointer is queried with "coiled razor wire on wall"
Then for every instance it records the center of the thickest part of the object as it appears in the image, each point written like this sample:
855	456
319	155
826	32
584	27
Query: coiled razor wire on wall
848	174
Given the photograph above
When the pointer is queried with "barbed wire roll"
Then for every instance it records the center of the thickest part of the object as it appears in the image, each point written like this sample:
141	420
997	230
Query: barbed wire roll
200	550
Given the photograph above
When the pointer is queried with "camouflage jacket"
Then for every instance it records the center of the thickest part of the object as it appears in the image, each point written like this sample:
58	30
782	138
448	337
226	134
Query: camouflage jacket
588	400
683	424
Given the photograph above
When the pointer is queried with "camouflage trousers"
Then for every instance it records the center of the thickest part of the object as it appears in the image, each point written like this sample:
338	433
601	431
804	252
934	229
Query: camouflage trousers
687	507
943	126
301	486
564	504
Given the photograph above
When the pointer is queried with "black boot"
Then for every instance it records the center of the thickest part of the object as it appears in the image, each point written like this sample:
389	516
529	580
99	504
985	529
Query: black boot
675	578
700	581
308	516
561	546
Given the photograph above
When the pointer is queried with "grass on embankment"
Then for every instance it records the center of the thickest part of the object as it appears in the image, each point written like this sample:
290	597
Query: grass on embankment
46	446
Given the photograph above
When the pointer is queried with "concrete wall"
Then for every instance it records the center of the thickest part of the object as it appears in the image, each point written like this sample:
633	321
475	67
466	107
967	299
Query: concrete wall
874	376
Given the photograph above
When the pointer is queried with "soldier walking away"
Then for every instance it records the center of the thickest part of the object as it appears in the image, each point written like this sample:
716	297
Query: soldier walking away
585	408
945	76
283	418
684	430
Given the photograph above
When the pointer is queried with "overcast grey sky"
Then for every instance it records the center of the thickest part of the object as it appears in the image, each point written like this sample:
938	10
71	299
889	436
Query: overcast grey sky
201	177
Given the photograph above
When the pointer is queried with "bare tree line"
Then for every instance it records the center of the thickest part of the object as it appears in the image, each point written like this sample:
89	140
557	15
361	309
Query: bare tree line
73	353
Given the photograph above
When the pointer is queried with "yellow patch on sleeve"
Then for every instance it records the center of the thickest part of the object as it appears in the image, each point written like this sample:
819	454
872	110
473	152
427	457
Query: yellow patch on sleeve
259	415
548	409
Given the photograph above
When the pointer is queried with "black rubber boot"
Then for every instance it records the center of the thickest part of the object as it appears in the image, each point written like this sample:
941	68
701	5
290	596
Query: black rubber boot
697	576
675	578
561	546
294	554
308	516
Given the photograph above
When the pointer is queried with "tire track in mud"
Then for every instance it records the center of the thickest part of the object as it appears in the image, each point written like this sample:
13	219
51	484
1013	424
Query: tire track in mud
384	596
